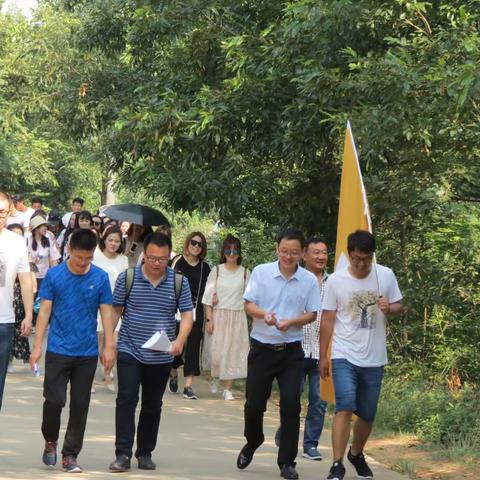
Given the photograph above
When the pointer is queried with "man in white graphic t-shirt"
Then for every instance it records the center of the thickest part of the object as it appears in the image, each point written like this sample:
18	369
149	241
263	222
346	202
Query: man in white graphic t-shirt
357	300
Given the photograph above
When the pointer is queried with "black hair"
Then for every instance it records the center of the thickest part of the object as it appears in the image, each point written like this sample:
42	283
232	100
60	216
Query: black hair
165	229
78	200
44	240
158	239
361	240
39	213
291	234
83	239
37	200
85	214
108	231
14	226
231	240
18	198
314	239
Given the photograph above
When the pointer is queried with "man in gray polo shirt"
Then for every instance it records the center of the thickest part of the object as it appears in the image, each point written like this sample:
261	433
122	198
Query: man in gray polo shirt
150	307
281	297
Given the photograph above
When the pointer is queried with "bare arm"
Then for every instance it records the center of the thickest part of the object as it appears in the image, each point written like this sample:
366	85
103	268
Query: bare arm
209	316
186	324
26	287
327	323
299	321
256	312
108	352
41	327
388	308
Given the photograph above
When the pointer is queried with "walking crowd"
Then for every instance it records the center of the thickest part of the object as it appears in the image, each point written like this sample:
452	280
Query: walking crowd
100	288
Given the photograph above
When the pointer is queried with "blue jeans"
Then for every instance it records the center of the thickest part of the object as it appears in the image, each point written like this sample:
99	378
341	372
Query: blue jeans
357	389
316	406
7	331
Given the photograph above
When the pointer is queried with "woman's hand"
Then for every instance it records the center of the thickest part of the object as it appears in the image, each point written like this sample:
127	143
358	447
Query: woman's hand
210	327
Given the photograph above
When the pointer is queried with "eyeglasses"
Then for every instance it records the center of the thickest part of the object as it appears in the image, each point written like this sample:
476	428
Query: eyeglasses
97	223
3	213
159	260
365	259
231	251
196	243
285	253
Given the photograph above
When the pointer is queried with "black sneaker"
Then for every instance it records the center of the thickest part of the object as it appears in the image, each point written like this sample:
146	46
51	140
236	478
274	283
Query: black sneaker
120	464
337	472
49	456
173	384
70	465
145	462
288	472
360	464
189	394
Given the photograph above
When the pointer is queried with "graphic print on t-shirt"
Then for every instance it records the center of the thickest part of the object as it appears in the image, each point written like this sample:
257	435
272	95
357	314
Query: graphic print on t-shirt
3	270
360	306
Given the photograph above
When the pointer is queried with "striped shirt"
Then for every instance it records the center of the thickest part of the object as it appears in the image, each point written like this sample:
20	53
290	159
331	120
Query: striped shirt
311	331
149	309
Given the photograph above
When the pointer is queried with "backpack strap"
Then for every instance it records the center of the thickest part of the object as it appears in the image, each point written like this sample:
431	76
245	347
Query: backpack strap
177	285
129	278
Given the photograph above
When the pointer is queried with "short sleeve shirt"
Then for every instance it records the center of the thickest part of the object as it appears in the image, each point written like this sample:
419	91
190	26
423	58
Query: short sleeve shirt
149	309
13	260
360	333
287	298
75	301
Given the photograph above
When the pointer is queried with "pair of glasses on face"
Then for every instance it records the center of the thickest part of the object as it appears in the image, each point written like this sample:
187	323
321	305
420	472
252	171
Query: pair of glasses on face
3	213
196	243
231	251
159	260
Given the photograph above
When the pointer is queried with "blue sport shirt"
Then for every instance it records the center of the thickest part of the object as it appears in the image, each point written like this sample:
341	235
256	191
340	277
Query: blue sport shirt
271	291
149	309
75	302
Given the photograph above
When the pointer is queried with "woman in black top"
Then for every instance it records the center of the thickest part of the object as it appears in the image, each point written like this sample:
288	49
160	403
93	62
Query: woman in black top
191	264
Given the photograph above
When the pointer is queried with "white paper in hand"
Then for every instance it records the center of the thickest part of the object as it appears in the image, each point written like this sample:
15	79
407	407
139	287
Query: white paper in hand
158	341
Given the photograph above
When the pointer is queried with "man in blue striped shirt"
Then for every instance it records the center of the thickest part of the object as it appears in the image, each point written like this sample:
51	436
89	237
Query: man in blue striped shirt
148	307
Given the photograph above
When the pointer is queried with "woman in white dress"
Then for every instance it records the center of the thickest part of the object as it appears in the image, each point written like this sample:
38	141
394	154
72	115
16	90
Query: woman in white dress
109	257
226	319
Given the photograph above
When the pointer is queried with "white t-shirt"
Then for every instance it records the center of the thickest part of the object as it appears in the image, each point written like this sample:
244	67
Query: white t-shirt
360	334
229	286
27	215
42	256
18	218
113	266
13	260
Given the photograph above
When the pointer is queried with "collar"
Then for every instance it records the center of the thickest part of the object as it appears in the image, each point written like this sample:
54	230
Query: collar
278	273
139	272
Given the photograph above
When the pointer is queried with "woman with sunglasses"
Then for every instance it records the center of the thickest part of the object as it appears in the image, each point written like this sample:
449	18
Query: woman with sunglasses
192	265
226	319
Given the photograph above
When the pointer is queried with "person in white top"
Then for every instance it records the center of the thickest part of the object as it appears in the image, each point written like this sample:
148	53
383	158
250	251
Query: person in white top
357	300
109	257
26	212
226	318
13	262
77	207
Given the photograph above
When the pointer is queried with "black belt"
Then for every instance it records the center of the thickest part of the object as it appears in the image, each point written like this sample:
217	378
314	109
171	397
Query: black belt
277	347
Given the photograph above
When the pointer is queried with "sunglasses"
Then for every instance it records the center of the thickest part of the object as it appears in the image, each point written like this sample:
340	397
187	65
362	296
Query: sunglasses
196	243
231	251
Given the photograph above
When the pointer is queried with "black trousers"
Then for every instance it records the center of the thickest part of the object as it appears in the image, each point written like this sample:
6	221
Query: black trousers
153	379
59	370
264	365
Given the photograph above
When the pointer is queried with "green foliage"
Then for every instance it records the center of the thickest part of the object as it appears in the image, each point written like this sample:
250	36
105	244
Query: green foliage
416	401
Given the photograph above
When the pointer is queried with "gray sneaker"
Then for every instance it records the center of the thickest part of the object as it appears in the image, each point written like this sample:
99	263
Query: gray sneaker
49	456
189	394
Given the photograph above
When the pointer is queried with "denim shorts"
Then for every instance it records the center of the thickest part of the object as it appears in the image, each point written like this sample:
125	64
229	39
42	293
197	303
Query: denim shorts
357	389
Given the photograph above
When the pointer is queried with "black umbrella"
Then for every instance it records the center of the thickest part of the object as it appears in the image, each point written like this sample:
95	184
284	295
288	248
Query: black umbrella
138	214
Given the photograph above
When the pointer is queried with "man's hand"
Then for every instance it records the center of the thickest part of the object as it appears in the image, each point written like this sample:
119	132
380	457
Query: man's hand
324	368
109	357
270	318
210	327
177	348
383	305
283	325
35	356
26	326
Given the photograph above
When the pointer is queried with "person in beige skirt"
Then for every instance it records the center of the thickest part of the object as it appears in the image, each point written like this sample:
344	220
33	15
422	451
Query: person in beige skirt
226	320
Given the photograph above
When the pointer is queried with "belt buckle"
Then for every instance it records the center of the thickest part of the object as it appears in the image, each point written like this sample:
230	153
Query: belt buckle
278	347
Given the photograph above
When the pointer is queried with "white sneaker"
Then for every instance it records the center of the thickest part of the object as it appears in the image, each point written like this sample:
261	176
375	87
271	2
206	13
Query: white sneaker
228	395
11	368
214	386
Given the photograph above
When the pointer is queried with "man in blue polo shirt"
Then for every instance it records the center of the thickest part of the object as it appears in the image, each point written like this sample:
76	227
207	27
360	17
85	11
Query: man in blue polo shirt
148	307
281	297
71	295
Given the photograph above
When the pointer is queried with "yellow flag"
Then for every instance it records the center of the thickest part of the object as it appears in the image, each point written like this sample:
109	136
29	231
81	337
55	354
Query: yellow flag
353	214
